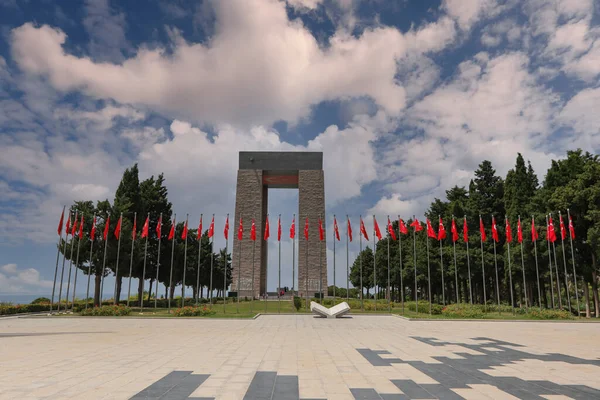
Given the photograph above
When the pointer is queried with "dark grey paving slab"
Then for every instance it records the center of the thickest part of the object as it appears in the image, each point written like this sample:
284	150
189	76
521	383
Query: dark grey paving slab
365	394
162	386
394	396
185	388
412	390
286	388
262	386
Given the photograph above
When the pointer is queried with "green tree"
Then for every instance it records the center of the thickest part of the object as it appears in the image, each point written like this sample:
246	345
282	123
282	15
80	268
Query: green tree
367	270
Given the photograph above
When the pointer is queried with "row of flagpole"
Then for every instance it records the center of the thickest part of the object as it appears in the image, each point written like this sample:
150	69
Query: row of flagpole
550	236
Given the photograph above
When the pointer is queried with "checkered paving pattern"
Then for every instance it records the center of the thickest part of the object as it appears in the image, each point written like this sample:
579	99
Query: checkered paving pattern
296	357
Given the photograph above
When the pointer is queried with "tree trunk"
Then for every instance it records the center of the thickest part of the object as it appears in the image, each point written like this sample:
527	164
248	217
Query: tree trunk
201	291
97	281
150	289
118	294
586	297
595	289
140	291
544	294
171	292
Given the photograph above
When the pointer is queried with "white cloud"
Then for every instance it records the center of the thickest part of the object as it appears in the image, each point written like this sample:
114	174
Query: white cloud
106	29
394	205
226	82
22	281
304	5
9	269
581	113
468	12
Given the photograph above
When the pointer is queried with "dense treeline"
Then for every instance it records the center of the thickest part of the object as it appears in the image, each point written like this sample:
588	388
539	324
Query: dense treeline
148	198
572	183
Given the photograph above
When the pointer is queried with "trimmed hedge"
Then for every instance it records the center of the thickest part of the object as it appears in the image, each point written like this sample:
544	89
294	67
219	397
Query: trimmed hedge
436	309
10	309
106	311
193	312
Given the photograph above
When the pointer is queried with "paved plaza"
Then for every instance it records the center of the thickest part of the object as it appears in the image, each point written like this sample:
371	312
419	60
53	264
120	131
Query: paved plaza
296	357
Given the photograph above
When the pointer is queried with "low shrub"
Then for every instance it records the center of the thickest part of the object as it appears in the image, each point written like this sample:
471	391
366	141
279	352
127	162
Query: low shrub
463	311
549	314
436	309
41	300
106	311
11	309
193	311
297	303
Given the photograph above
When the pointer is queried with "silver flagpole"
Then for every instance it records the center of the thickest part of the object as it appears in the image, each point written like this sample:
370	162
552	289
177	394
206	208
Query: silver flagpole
469	266
118	255
455	268
401	277
104	262
482	263
212	257
62	272
131	259
388	270
512	300
537	270
58	257
348	260
550	263
442	268
573	261
199	234
320	263
496	265
87	293
141	297
70	264
184	264
253	267
294	258
225	267
558	293
362	306
158	261
279	266
374	266
523	269
415	257
565	266
76	267
335	224
267	271
239	289
306	278
429	274
174	222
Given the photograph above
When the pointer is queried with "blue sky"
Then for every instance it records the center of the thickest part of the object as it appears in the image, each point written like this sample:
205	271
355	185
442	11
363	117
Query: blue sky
405	99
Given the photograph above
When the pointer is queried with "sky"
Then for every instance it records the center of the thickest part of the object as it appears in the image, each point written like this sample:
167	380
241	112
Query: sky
404	98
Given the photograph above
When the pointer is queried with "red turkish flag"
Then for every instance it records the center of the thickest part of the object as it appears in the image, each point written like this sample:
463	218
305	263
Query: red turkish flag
199	234
534	233
508	232
133	231
279	229
571	227
335	229
226	229
441	230
416	225
363	230
241	230
106	227
321	231
81	228
267	231
159	226
68	225
172	230
482	230
402	227
93	231
391	229
494	230
563	230
145	228
185	230
454	231
211	228
376	229
550	233
465	231
74	227
430	232
349	229
253	230
519	231
60	223
118	228
293	228
306	229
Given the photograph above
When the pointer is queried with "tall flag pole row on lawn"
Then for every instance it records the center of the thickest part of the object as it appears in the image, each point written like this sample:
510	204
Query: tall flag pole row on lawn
571	237
105	236
80	236
226	234
348	239
563	234
59	231
159	235
402	230
239	278
62	272
376	233
171	237
253	238
118	236
73	231
306	262
430	234
495	240
211	234
520	240
279	264
392	236
508	233
552	233
293	237
92	238
482	239
440	237
336	234
416	225
548	236
133	234
534	238
454	232
144	235
184	235
266	238
466	240
199	238
363	232
321	238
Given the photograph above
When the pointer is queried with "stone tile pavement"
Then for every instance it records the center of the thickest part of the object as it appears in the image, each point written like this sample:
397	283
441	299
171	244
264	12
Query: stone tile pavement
296	357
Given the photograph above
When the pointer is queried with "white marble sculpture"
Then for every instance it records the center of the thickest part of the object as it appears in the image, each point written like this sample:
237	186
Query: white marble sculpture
333	312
